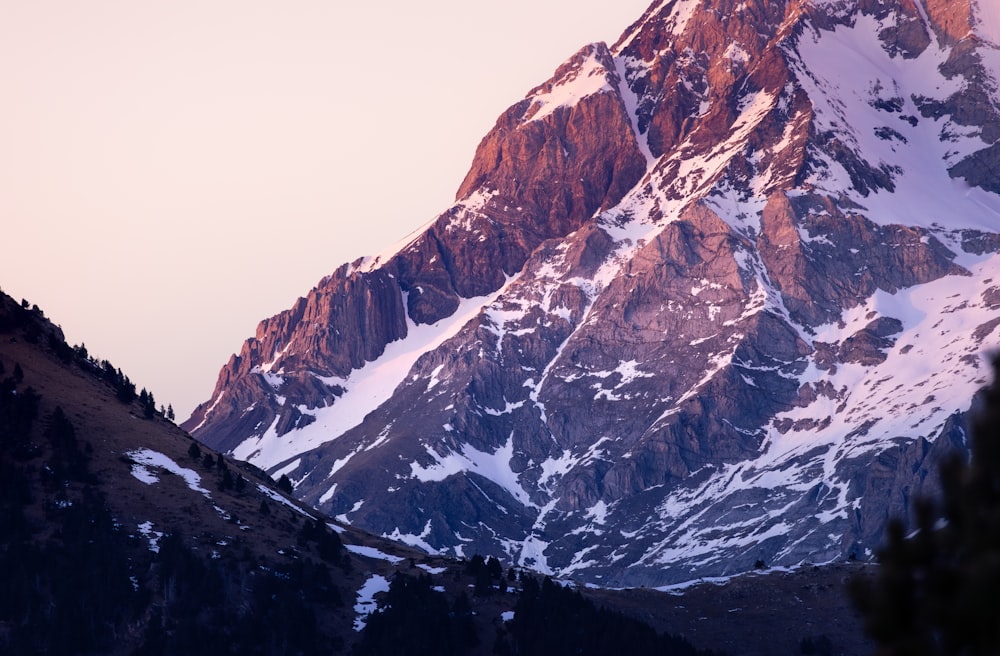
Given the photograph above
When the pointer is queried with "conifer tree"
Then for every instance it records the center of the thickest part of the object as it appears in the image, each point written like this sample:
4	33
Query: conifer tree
227	480
935	591
60	430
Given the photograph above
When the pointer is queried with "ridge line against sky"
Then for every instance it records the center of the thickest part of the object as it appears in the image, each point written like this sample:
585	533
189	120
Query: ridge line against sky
172	173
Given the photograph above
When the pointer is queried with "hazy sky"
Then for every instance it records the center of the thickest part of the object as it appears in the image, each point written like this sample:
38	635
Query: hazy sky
174	171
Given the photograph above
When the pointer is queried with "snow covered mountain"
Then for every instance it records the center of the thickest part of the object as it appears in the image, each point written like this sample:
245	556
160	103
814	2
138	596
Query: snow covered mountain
717	294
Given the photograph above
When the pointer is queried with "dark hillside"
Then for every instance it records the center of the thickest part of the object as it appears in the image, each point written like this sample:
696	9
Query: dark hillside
119	534
106	550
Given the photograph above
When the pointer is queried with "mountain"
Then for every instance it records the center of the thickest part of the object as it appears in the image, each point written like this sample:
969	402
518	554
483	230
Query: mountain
713	297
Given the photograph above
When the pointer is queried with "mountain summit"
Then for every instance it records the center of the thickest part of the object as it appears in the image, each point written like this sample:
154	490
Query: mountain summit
713	296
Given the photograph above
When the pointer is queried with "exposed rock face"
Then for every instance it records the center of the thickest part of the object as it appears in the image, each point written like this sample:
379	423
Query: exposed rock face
534	178
344	322
707	297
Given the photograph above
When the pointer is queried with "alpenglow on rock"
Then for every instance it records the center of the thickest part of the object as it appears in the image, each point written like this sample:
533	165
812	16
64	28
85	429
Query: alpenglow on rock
718	293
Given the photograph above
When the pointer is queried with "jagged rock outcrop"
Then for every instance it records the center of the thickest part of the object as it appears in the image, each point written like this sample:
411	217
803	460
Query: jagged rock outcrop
707	297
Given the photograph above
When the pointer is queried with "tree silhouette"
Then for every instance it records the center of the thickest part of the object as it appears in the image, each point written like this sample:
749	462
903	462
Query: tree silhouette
124	388
552	620
147	402
935	590
416	620
60	430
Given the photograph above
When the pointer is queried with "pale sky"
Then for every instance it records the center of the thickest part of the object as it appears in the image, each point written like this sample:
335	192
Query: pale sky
174	171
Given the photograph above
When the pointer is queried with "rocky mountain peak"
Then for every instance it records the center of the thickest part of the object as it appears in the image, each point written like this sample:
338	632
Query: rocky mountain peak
713	295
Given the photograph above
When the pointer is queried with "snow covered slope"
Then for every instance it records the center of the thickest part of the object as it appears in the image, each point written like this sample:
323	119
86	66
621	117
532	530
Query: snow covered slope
717	294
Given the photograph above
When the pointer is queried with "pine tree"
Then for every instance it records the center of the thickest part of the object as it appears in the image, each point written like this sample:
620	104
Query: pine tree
60	430
124	388
494	568
935	591
147	402
227	480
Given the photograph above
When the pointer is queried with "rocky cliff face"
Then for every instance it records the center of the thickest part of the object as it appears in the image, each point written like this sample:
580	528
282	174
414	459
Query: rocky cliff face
713	295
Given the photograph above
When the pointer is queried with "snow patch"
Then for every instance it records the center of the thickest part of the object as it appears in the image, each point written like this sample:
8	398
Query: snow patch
280	498
987	20
146	529
414	540
147	458
372	552
287	469
598	513
495	466
432	570
208	412
843	90
589	78
365	604
367	388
